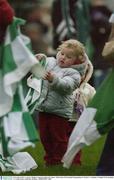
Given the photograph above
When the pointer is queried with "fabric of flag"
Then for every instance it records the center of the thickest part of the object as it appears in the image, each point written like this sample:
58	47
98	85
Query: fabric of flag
34	82
64	25
82	16
16	62
96	120
20	162
73	21
17	128
66	28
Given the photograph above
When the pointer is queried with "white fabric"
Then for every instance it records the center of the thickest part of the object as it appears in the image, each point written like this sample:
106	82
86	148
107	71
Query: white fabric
38	70
111	20
20	162
84	133
86	92
82	96
24	60
16	133
34	92
5	100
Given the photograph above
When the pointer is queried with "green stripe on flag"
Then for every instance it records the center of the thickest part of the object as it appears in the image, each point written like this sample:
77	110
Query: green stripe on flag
1	49
16	103
103	101
13	28
16	61
4	142
8	60
30	128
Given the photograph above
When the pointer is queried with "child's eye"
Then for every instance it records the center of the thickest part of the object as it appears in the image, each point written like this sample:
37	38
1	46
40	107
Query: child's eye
62	53
69	57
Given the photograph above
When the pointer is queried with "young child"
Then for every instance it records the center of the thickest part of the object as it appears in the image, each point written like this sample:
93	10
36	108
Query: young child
63	75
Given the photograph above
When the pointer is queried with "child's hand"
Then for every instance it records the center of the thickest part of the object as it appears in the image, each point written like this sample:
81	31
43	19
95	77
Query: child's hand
40	56
49	76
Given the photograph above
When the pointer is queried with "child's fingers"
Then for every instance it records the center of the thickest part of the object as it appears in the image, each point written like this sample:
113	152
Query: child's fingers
45	76
40	56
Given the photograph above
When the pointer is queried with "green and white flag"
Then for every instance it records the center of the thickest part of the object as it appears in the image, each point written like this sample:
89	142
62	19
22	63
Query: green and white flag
16	61
20	162
96	120
17	128
34	82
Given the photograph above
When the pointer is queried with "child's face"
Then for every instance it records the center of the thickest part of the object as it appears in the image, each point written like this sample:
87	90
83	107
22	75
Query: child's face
66	57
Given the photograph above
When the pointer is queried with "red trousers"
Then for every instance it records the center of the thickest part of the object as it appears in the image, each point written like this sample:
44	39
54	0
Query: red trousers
54	134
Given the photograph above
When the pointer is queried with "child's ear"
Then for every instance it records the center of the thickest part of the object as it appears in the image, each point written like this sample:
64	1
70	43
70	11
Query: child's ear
81	58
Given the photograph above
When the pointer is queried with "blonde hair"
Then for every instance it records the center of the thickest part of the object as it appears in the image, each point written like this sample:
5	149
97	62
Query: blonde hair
77	47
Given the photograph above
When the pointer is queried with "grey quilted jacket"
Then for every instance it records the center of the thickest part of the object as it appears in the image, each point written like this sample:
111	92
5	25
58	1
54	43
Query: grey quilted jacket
57	97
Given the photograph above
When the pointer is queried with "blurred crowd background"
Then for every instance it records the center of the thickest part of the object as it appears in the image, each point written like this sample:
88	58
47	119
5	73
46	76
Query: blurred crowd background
42	18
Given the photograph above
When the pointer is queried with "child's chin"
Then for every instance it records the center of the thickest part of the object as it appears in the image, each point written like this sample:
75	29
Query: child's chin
62	65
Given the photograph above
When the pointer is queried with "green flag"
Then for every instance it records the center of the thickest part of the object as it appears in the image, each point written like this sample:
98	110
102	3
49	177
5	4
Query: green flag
17	128
16	62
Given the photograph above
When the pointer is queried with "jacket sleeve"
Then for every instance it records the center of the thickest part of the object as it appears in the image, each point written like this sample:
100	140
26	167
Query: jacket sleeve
67	84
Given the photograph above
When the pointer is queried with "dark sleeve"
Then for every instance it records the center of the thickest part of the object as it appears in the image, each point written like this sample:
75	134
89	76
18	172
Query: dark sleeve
6	17
6	13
